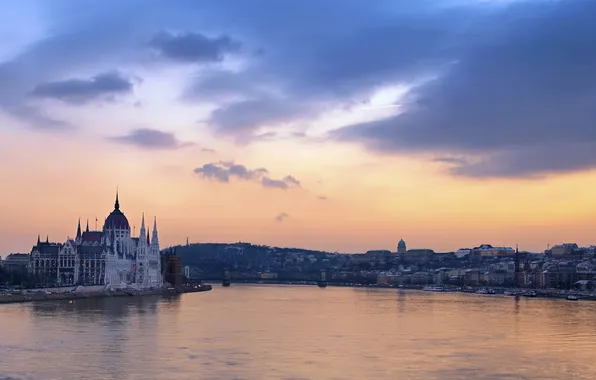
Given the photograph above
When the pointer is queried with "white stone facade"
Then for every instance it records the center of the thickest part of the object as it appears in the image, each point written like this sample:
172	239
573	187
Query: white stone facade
110	257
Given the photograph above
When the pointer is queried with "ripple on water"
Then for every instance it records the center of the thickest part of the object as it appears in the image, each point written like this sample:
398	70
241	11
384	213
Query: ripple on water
285	332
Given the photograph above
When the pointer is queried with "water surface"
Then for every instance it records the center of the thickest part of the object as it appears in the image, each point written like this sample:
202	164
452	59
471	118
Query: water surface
298	332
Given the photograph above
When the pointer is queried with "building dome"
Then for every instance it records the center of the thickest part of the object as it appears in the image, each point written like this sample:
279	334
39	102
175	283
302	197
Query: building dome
117	219
401	246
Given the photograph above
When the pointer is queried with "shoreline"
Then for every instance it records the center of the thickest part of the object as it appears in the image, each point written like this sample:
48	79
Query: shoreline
38	295
520	292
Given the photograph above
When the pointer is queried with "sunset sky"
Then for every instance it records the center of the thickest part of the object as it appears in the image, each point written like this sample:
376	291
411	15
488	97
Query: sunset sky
341	125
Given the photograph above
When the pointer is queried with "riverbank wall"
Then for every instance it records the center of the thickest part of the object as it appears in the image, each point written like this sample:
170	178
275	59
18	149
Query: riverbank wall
92	292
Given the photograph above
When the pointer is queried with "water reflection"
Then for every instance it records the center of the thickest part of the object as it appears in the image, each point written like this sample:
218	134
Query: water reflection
271	332
116	309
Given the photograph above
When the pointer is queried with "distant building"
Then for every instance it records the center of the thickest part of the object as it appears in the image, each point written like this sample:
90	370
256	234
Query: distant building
487	250
418	255
378	252
462	252
401	247
16	262
171	268
563	250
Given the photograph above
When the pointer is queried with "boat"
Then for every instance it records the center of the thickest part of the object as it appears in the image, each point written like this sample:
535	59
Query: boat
571	297
433	289
227	278
530	294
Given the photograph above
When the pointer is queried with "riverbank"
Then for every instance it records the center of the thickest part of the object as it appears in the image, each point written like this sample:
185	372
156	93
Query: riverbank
527	293
37	295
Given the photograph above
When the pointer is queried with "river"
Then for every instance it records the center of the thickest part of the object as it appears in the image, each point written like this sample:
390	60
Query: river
300	332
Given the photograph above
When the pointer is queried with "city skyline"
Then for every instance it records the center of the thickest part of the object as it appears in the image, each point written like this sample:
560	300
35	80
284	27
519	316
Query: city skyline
330	125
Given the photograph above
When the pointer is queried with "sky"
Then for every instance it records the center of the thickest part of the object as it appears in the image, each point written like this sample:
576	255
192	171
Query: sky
340	125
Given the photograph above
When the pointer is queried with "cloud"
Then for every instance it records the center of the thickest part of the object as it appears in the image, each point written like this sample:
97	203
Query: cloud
322	198
193	47
100	35
281	217
451	160
505	86
104	85
222	171
208	150
518	101
151	139
284	183
348	50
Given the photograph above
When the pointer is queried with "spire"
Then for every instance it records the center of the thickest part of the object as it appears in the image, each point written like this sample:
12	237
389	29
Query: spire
117	204
148	241
154	238
38	239
87	229
47	238
79	229
142	231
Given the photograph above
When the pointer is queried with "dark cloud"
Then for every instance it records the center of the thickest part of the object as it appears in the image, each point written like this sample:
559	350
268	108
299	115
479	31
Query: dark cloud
451	160
241	118
521	101
150	139
100	33
348	50
285	183
101	86
507	87
494	83
193	47
281	217
222	171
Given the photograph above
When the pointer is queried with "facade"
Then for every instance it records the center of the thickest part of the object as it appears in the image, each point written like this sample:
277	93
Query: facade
418	255
563	250
171	268
16	262
110	257
487	250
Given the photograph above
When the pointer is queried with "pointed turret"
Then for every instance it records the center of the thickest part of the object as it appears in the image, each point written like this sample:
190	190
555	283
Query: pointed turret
154	238
47	239
87	228
38	239
117	203
142	231
79	230
148	241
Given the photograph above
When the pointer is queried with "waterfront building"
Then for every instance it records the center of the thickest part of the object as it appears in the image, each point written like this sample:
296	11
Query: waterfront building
171	268
110	257
16	263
